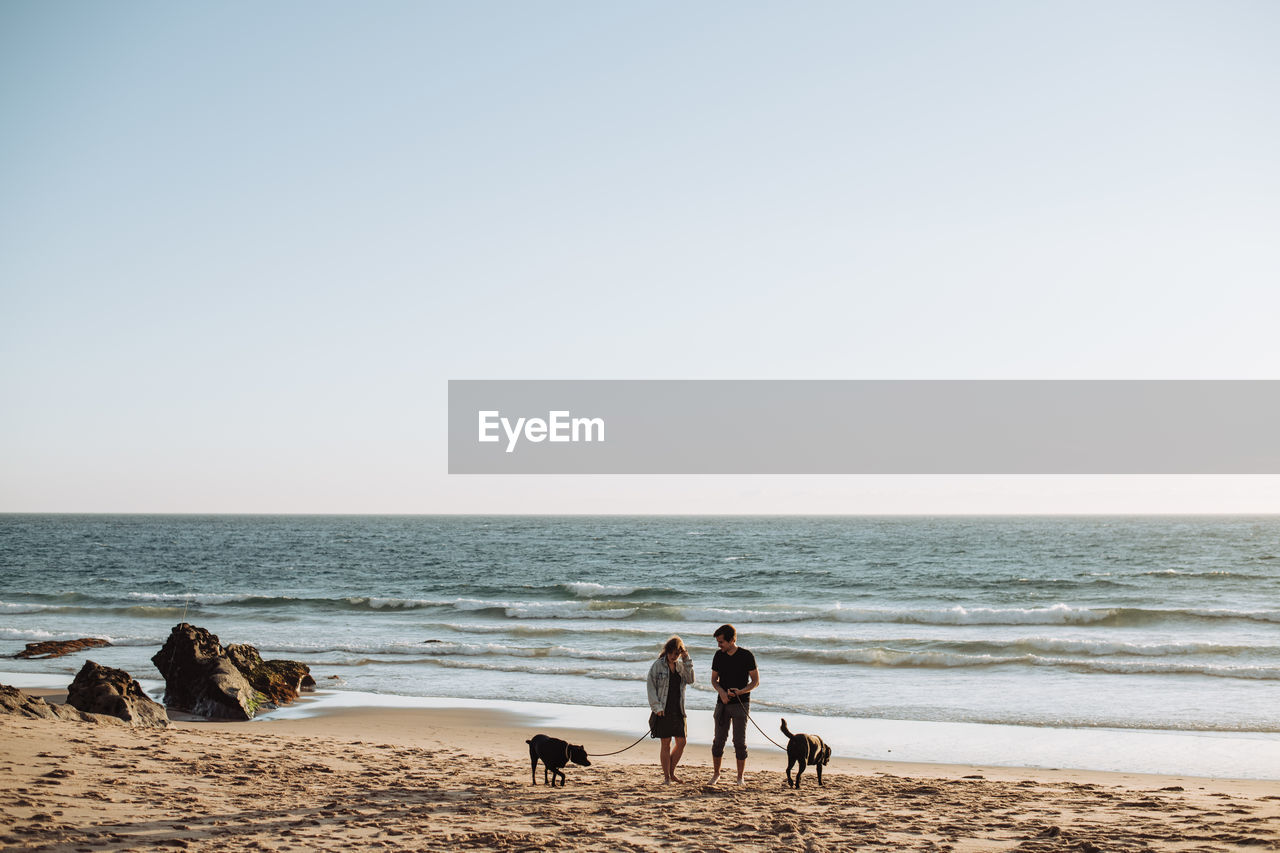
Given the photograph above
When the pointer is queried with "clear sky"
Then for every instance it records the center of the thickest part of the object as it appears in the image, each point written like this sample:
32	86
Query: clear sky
243	246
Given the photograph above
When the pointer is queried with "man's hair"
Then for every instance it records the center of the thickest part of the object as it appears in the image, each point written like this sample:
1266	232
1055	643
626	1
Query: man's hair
726	631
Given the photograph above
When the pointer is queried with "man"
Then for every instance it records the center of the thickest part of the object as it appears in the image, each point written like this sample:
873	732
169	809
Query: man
734	676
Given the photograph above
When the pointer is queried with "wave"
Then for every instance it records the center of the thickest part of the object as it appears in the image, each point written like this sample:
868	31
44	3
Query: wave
8	607
549	609
1264	673
33	636
193	598
1057	614
533	629
586	589
1102	648
521	667
251	599
1010	645
441	648
1212	574
884	656
577	662
144	611
535	669
1092	656
1014	646
620	602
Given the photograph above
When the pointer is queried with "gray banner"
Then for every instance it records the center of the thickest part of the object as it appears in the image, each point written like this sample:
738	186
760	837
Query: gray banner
863	427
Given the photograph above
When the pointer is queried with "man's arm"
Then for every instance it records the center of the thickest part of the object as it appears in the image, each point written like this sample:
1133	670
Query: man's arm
715	685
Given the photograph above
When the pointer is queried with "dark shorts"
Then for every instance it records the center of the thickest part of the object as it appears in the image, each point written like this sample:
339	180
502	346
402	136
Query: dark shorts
668	725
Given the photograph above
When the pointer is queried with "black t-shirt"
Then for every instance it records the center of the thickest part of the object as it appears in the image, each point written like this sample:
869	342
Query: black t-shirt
734	669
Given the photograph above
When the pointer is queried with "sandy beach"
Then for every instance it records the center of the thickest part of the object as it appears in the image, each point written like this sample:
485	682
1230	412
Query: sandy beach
440	779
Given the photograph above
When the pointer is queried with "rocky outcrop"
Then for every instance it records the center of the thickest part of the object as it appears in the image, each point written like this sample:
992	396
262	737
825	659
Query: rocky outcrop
58	648
245	657
232	683
200	678
102	690
280	681
22	704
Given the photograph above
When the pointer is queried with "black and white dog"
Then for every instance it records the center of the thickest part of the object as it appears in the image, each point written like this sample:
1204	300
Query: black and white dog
804	750
554	754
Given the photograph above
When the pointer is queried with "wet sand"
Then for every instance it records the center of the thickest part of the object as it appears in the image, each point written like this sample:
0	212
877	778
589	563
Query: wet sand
431	779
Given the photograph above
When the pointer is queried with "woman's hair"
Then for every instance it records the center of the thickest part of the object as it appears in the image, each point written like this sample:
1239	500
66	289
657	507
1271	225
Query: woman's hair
671	645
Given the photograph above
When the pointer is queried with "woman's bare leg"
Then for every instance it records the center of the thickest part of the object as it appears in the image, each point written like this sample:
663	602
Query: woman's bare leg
675	758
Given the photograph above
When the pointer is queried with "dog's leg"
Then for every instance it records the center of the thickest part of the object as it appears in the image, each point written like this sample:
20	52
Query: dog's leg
819	766
533	759
799	769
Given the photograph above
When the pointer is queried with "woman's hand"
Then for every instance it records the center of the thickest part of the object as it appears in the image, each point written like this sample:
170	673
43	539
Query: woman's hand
660	713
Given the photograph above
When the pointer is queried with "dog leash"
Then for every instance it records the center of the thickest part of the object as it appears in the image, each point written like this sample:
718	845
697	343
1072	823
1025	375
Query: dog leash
646	734
757	725
616	751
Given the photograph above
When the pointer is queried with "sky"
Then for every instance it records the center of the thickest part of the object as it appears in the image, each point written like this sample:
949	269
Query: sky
244	246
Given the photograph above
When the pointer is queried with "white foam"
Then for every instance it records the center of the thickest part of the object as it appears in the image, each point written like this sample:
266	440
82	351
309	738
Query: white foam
1057	614
1205	754
599	590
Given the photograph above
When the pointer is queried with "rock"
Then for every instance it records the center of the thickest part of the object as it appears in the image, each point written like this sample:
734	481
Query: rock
58	648
201	679
280	681
22	704
245	657
102	690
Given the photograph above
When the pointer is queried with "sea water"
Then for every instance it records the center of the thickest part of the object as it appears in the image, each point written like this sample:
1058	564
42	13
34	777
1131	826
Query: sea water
1035	625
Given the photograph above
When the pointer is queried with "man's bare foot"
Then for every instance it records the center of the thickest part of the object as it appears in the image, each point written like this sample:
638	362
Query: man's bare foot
715	777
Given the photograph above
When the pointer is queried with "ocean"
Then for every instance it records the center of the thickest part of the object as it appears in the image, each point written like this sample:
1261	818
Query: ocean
1169	624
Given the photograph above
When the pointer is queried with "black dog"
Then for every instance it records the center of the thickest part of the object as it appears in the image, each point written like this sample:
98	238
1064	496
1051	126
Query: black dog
804	750
555	753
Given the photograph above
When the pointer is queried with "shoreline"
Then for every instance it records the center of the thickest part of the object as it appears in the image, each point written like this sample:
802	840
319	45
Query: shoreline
456	778
862	743
503	732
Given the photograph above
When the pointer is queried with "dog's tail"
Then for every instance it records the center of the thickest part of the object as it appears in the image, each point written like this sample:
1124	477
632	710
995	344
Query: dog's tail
785	730
530	740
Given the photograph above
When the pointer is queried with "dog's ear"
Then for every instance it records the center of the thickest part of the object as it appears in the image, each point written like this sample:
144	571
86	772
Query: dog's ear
826	755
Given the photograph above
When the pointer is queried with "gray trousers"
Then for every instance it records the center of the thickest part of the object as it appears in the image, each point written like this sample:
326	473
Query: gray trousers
736	712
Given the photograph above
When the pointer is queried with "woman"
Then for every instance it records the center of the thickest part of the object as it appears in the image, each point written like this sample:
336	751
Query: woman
667	677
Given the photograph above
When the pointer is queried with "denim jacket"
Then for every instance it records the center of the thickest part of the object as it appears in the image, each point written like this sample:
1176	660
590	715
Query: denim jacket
659	682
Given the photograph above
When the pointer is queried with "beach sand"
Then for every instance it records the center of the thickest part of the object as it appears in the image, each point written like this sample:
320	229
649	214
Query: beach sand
431	779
